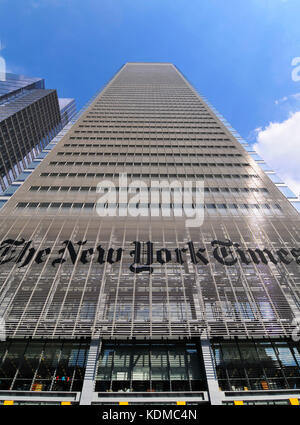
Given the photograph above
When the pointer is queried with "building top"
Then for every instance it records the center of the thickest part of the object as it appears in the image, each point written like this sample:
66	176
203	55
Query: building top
64	101
13	82
20	102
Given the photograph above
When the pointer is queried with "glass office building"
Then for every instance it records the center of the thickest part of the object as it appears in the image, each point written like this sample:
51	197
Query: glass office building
101	306
30	116
67	108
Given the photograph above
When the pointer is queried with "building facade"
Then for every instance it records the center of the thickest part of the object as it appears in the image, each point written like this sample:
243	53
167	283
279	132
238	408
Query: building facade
67	108
105	303
30	116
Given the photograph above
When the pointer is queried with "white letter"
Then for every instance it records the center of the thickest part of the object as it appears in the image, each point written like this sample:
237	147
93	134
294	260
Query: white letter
106	204
296	71
123	198
198	211
138	204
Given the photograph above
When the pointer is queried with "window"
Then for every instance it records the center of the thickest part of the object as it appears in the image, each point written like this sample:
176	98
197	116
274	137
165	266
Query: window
257	365
150	366
42	365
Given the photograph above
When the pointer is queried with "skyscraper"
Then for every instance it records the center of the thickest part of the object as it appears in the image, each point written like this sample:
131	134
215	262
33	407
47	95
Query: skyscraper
30	116
151	302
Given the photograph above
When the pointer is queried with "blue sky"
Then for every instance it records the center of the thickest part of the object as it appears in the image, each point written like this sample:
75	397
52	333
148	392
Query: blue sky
238	53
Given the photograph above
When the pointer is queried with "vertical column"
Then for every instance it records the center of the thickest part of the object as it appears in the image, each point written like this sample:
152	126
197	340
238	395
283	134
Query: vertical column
90	372
215	394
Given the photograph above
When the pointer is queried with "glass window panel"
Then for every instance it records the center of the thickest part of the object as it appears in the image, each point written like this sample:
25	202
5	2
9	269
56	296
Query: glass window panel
12	360
285	355
105	364
193	364
217	353
248	353
67	360
230	353
30	360
159	363
22	384
122	364
3	348
140	365
267	354
296	351
178	365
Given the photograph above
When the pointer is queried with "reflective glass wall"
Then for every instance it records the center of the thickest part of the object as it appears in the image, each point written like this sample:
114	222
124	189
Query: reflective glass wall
42	365
150	366
257	365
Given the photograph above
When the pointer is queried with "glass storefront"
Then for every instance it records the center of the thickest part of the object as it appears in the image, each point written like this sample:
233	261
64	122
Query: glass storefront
257	365
42	365
150	366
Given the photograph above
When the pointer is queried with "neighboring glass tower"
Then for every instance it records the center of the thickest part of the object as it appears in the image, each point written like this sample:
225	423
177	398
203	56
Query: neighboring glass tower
30	116
67	110
107	304
12	85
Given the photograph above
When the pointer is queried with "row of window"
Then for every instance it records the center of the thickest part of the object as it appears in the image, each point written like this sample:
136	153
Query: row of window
94	188
257	365
150	366
157	139
152	132
149	145
161	114
153	114
42	365
153	164
148	127
128	107
133	93
146	99
146	122
163	154
166	91
149	102
153	175
148	206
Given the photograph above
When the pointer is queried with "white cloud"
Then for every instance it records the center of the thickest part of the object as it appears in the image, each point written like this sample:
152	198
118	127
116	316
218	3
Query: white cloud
295	96
279	145
283	99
